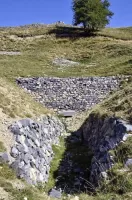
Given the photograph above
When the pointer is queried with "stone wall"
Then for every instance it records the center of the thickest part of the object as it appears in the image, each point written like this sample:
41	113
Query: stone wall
32	151
102	134
70	93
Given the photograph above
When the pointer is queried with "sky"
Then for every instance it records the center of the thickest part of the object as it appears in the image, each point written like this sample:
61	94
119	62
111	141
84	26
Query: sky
21	12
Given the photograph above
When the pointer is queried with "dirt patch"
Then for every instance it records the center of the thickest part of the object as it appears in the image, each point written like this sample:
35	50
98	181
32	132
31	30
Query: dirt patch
18	184
5	135
4	195
30	38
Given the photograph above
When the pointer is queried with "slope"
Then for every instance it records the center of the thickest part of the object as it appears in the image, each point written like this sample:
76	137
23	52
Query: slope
103	54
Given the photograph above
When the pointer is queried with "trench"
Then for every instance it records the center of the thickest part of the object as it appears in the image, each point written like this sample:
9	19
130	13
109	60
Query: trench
86	158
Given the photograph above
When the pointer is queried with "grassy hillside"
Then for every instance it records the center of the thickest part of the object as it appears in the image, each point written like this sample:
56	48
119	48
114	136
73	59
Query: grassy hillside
106	53
118	33
98	55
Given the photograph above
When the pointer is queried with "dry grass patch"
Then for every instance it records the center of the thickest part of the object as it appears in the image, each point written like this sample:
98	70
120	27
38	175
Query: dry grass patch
118	33
14	102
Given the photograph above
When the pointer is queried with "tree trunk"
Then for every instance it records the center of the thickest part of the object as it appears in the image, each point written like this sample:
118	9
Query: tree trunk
84	25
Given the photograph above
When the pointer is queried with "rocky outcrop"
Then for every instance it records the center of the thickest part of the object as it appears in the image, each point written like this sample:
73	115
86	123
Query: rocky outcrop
98	135
102	134
61	62
88	156
70	93
32	151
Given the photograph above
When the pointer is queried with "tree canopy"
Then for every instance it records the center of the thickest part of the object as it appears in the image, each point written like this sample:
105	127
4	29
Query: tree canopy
93	14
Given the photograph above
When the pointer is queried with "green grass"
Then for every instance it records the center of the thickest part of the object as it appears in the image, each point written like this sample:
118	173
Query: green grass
18	194
8	177
124	151
58	155
6	172
2	148
120	180
110	56
33	30
118	33
37	61
119	103
109	196
25	31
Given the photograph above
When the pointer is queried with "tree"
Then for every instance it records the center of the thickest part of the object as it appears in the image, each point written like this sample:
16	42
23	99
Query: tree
93	14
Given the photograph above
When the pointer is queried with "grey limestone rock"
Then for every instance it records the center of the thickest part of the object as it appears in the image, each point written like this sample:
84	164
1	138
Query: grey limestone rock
33	147
102	135
15	129
67	113
26	122
64	62
14	152
126	136
55	193
4	158
128	163
128	127
76	94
